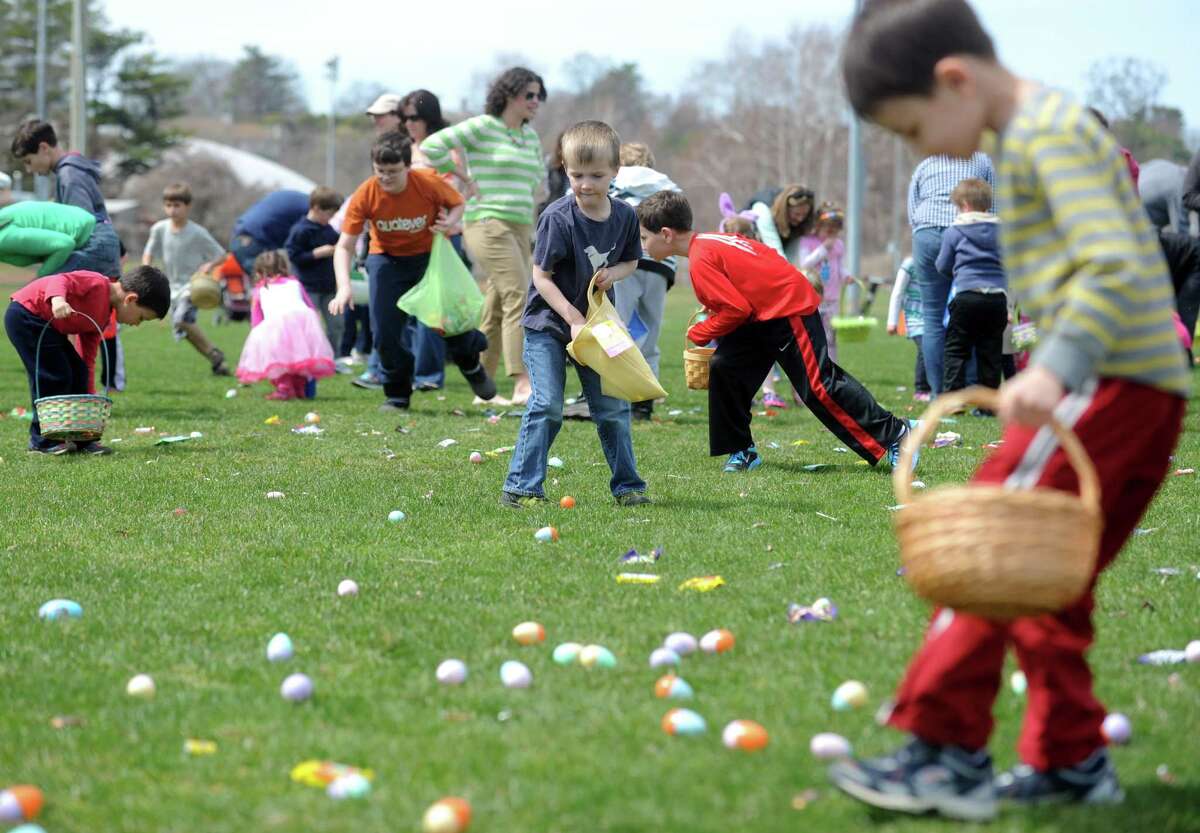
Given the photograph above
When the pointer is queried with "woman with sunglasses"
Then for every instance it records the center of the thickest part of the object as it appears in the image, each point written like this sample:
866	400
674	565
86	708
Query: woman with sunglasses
502	171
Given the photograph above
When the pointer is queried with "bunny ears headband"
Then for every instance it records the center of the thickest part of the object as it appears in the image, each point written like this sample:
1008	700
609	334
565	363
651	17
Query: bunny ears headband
728	212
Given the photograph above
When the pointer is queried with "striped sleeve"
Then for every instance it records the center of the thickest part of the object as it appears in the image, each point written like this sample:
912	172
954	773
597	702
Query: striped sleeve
437	148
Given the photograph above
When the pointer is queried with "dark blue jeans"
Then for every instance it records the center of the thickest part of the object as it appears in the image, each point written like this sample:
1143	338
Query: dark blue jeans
388	278
60	370
245	248
935	288
101	253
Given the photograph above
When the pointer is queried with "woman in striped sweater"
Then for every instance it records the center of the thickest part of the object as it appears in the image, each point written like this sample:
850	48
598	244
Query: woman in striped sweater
503	161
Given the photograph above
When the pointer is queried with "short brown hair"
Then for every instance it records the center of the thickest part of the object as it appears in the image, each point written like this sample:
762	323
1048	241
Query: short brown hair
894	45
636	153
591	141
665	209
272	262
324	199
30	135
178	192
392	148
974	193
740	225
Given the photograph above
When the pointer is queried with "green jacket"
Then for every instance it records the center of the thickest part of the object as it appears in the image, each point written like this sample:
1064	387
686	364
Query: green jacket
43	232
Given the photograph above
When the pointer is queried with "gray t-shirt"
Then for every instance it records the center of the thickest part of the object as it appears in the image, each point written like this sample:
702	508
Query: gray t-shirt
182	252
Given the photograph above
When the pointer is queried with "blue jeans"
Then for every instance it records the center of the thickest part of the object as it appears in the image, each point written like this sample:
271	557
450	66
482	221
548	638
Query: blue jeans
101	253
935	288
545	358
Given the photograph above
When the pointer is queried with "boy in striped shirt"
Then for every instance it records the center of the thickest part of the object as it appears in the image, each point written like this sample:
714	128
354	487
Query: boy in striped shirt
1082	259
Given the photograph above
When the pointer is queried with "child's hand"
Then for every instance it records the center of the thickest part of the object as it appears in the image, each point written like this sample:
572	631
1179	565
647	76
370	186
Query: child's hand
892	329
1030	398
340	303
576	329
324	251
439	225
603	281
60	308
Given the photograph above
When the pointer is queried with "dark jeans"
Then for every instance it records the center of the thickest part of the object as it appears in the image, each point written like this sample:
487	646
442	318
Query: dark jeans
935	288
245	248
389	278
977	322
356	334
101	253
836	398
60	370
920	380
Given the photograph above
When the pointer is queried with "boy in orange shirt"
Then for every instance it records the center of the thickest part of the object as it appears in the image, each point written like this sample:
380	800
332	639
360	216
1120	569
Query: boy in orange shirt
405	209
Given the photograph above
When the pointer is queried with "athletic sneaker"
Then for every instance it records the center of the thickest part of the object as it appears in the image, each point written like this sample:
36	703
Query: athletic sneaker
510	500
392	405
633	499
217	358
921	778
53	450
773	400
922	396
94	448
1093	781
893	452
483	385
368	381
740	461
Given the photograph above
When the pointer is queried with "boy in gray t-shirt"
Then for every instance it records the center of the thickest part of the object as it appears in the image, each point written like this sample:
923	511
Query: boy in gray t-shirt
185	248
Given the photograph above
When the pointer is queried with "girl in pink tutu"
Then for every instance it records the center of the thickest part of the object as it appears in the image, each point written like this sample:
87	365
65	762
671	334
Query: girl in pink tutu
287	343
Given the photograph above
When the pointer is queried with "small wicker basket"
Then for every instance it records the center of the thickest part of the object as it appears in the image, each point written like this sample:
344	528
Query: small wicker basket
696	359
991	551
78	417
205	291
852	327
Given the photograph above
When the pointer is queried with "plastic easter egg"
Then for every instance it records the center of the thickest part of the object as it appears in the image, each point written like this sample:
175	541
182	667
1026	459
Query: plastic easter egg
545	535
140	686
347	587
671	687
475	457
275	495
662	657
312	418
452	672
60	609
529	633
744	734
20	802
567	653
849	695
597	656
231	393
681	643
28	828
1192	651
567	502
195	435
1116	729
515	674
352	785
716	642
280	649
297	688
1017	682
395	516
447	815
683	722
827	746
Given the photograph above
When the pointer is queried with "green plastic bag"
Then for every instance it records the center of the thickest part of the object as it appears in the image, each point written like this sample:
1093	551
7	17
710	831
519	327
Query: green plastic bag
447	299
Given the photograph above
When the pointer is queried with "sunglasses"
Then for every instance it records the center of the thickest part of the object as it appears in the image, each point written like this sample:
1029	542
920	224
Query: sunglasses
414	117
540	96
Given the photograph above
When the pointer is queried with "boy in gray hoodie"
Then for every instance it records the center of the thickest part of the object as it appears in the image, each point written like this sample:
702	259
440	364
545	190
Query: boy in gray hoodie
978	310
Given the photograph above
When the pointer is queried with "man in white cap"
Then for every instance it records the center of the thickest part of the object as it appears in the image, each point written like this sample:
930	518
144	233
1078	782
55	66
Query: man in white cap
386	113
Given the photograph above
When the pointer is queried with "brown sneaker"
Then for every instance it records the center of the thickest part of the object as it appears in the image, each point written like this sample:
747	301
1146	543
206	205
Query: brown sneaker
217	358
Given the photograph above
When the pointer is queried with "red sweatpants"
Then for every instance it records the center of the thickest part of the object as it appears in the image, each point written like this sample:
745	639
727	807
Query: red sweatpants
946	697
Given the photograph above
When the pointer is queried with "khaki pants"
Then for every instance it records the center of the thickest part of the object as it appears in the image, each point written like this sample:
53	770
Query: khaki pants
502	250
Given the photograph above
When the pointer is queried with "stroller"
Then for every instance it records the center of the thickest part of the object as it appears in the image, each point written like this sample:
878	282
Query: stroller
235	292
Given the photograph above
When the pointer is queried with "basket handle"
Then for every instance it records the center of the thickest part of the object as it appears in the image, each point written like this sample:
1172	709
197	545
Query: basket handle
37	358
695	317
1077	456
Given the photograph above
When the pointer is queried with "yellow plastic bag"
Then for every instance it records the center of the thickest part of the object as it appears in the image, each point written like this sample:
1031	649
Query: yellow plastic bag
605	346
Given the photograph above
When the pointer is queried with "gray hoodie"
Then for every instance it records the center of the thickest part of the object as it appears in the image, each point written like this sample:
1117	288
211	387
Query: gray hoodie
78	183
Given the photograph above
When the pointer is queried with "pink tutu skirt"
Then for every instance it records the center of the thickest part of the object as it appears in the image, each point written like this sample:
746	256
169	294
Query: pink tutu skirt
291	342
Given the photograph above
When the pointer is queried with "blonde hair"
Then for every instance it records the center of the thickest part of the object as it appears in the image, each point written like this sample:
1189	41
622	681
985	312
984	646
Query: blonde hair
740	225
789	196
271	263
636	153
976	194
591	141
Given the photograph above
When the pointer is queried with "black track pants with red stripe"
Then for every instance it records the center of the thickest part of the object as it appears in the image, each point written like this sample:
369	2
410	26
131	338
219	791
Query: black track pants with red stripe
835	397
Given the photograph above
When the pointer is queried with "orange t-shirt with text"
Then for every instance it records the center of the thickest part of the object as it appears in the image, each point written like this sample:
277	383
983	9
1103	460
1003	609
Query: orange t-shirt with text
400	221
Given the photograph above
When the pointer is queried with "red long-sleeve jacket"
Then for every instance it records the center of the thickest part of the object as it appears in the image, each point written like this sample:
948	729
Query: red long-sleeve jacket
86	292
739	280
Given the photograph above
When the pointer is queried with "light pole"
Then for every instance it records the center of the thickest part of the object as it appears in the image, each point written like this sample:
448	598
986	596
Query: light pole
331	142
78	79
856	189
41	184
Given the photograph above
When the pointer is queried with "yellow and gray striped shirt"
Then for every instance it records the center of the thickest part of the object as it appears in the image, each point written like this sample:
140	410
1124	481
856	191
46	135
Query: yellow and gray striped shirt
507	166
1080	253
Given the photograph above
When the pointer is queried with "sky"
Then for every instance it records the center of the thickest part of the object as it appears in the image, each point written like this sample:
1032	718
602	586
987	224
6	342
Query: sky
443	47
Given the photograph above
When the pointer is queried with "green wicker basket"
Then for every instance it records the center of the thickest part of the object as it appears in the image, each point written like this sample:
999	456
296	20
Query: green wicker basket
76	417
852	327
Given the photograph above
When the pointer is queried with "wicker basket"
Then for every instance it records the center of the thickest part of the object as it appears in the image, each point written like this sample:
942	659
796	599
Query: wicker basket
992	551
78	417
696	359
205	291
852	327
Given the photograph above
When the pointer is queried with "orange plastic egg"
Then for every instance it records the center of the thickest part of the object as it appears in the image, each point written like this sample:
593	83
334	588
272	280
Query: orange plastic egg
744	734
27	797
447	815
717	642
529	633
567	502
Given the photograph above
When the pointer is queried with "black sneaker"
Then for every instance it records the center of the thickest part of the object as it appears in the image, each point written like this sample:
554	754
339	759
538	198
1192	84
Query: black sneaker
641	411
510	500
427	387
922	778
483	385
54	450
94	448
392	405
633	499
1093	781
218	362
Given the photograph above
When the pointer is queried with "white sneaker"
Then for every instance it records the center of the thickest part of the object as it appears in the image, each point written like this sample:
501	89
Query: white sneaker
496	401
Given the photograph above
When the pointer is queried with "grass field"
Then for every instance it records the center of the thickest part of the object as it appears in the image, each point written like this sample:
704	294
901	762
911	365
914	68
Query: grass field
193	598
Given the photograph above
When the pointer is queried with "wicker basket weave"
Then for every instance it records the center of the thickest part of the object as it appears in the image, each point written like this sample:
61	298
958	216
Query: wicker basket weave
76	417
205	292
696	359
991	551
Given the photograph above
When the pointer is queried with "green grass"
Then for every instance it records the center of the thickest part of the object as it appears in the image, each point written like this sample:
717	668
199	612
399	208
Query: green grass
193	599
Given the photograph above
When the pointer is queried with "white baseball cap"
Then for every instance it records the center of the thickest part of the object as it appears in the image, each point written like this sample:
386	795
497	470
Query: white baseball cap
5	181
386	103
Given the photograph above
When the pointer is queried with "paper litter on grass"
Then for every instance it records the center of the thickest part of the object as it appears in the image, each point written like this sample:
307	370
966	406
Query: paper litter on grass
703	584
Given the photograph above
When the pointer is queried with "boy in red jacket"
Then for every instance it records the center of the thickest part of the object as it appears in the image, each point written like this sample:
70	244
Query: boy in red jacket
763	311
61	305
